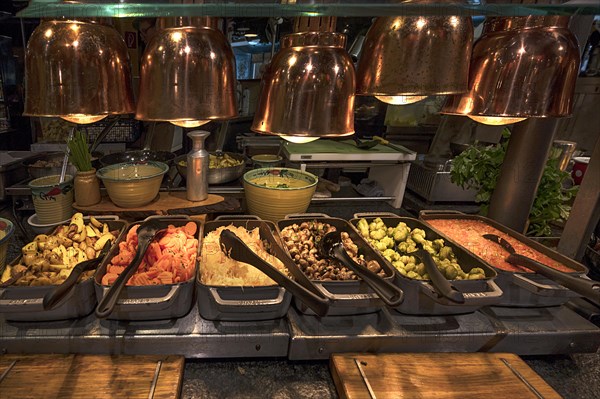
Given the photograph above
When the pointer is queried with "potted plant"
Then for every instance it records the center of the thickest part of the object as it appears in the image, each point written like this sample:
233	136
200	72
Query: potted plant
478	167
86	184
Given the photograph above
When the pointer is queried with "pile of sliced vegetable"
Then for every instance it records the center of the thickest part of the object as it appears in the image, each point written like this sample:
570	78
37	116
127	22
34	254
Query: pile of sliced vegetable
50	258
170	260
397	244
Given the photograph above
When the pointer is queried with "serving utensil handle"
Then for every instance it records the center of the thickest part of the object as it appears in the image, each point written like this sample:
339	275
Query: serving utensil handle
590	289
390	294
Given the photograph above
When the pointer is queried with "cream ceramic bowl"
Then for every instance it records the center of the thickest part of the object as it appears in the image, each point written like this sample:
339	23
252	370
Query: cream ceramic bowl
131	185
53	201
272	193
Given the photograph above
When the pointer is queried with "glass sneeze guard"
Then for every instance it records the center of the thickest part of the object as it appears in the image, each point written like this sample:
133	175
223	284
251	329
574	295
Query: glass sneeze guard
292	8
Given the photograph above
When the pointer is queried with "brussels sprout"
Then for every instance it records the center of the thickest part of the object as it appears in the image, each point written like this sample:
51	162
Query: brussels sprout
446	253
400	234
418	235
363	227
398	265
389	242
476	270
450	272
377	234
413	275
476	276
438	244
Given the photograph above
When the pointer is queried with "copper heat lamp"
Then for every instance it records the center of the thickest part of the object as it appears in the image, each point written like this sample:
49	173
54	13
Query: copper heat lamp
78	71
521	67
187	74
307	91
405	59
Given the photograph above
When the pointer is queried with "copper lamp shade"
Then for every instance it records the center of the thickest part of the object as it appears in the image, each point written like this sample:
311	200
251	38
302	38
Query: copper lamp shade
187	76
79	71
405	59
308	89
521	67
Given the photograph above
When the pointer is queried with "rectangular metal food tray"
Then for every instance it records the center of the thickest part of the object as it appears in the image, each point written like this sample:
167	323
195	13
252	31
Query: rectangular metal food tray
346	297
420	297
245	303
155	302
520	289
21	303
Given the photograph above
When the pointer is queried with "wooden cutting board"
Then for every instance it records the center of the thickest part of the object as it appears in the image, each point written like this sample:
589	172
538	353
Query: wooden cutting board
437	375
90	376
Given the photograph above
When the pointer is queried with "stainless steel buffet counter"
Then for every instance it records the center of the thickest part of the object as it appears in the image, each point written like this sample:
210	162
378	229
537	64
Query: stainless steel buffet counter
524	331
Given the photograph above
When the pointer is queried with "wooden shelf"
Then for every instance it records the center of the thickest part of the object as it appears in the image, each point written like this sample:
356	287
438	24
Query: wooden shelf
164	202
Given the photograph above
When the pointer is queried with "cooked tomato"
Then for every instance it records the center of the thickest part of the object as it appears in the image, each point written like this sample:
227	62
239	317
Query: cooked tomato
469	234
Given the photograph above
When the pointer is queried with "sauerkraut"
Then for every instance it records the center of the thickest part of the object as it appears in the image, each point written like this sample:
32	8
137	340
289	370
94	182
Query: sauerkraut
216	268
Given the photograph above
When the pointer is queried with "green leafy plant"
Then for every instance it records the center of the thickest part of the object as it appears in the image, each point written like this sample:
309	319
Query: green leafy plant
79	153
479	168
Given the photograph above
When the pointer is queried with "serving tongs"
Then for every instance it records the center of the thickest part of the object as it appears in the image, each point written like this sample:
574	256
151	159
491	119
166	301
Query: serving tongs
331	246
56	295
146	233
589	289
439	282
304	289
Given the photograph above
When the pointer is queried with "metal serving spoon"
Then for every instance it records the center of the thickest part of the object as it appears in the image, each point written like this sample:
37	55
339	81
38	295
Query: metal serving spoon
589	289
53	297
237	249
147	232
331	246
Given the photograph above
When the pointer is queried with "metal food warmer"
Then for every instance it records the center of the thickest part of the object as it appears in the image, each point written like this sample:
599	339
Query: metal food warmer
559	329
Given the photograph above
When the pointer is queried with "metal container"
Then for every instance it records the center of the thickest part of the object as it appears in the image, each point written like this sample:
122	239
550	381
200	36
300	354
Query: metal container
197	163
346	297
25	303
56	158
217	175
247	303
419	295
520	289
11	171
153	302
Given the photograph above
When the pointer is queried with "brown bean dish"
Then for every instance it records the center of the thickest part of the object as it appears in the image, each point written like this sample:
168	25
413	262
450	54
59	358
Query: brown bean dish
301	241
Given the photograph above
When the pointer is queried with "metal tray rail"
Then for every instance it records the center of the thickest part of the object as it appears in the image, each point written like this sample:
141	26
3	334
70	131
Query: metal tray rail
420	296
241	303
154	302
346	297
520	289
26	303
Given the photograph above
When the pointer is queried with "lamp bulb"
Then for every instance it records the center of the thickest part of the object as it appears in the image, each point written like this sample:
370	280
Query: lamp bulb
495	120
400	100
82	119
188	123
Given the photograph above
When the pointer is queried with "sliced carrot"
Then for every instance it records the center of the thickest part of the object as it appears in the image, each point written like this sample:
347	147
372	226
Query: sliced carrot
190	228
